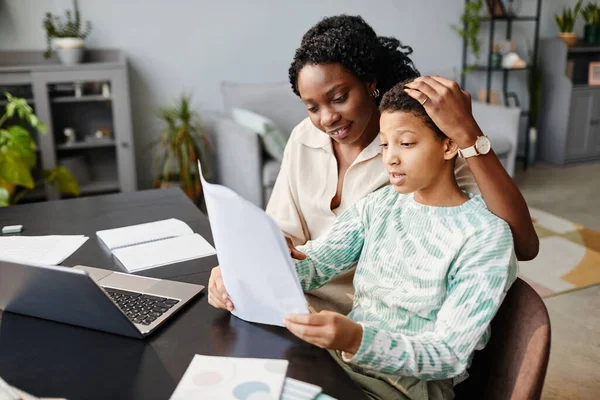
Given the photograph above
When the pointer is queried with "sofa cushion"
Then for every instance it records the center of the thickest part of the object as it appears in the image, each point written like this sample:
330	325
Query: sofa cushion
270	171
273	138
275	101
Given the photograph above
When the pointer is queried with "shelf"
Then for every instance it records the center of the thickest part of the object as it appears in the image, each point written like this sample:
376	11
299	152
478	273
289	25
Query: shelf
5	102
584	48
82	99
85	145
508	18
99	187
485	68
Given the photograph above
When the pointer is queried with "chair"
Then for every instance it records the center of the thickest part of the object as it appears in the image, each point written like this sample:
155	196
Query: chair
513	364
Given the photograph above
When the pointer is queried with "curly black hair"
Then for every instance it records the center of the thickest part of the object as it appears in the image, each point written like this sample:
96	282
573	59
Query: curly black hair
353	43
396	99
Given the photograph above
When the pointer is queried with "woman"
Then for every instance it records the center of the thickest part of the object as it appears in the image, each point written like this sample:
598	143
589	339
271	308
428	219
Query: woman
333	158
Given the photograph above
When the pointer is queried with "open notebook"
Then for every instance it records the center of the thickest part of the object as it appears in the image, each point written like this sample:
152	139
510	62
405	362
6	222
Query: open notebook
154	244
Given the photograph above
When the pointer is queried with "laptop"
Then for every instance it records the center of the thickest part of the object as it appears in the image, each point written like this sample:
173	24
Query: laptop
104	300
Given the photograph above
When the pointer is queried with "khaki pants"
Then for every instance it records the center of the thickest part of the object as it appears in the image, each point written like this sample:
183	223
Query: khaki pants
382	387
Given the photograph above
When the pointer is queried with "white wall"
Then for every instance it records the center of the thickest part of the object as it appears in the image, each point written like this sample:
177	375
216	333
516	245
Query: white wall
192	45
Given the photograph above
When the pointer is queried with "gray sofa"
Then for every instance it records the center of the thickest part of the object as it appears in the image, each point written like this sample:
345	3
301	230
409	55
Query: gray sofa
240	160
242	164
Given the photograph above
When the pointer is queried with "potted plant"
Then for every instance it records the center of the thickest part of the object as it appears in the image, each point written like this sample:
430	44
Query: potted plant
470	19
591	16
181	144
566	23
18	156
67	37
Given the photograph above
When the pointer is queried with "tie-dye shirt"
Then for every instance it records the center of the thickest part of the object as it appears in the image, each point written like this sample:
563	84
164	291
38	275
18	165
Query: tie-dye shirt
429	280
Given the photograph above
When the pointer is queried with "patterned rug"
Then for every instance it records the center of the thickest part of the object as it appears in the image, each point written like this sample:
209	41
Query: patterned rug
569	256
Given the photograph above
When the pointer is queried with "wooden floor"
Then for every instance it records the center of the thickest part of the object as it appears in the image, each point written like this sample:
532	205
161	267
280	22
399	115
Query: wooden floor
574	369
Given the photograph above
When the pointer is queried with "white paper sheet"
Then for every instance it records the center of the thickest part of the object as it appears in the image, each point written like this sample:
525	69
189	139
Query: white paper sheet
164	252
45	250
229	378
255	262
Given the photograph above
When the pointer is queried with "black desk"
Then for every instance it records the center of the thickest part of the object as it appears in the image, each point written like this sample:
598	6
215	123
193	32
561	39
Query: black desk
52	359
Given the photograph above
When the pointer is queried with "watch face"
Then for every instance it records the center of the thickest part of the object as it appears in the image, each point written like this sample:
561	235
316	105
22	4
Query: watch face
483	145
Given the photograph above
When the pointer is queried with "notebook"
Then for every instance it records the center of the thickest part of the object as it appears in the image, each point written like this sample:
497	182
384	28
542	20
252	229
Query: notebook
155	244
231	378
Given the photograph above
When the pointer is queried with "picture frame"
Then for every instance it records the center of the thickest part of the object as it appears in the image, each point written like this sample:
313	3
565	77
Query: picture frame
594	73
512	100
496	8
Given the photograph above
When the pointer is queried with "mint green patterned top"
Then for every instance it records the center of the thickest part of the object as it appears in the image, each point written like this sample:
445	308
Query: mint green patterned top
428	281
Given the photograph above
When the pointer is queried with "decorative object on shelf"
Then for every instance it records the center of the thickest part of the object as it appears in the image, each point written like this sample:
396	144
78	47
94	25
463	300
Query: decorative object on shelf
566	23
512	60
591	16
18	156
496	8
594	73
495	96
496	58
67	37
69	134
105	90
101	135
512	100
513	7
78	90
181	144
470	31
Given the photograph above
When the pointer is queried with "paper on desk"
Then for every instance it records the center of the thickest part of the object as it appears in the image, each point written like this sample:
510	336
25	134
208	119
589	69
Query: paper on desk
46	250
255	261
230	378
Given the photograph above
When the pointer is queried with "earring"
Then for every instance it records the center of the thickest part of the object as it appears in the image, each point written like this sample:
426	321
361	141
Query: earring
375	93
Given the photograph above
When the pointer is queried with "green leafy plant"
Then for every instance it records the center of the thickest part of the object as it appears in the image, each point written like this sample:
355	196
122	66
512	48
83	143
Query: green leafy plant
566	20
591	14
471	19
18	156
182	143
71	28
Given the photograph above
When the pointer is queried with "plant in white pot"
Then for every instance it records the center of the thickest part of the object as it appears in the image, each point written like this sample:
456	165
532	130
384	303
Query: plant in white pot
68	38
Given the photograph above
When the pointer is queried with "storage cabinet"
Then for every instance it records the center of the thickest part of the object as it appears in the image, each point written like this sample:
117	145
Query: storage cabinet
569	124
90	104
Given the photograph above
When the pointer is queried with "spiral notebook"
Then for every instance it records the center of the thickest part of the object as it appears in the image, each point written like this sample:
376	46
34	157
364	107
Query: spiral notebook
155	244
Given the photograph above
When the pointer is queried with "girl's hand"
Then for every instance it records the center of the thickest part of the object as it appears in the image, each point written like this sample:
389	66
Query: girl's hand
326	329
296	254
217	295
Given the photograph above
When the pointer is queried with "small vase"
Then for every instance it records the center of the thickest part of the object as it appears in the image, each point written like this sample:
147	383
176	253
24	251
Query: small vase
496	60
69	50
570	38
591	34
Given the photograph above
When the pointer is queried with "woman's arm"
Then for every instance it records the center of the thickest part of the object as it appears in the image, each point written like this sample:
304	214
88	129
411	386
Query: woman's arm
450	108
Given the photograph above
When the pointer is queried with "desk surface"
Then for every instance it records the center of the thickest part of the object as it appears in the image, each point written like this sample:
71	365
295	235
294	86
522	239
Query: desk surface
57	360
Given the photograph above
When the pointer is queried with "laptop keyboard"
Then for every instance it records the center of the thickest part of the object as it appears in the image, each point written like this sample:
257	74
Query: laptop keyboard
140	308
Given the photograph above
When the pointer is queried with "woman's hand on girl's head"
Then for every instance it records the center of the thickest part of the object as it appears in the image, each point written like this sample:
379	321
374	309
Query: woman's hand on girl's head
217	295
448	106
296	254
326	329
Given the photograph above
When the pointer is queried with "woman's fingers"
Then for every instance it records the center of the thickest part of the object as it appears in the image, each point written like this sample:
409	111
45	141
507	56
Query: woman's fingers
417	95
216	290
420	85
